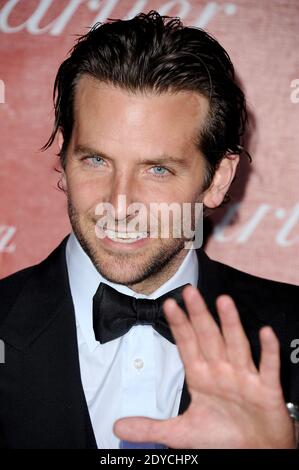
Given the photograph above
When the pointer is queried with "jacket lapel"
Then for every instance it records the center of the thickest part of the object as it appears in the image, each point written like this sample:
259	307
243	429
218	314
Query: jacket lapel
45	332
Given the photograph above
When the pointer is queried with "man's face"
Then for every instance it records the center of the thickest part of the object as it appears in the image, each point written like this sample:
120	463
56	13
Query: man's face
120	145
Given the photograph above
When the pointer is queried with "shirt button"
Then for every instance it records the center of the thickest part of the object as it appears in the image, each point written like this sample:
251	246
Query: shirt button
138	363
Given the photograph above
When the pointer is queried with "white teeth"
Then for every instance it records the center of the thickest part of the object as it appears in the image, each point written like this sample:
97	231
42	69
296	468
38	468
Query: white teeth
125	237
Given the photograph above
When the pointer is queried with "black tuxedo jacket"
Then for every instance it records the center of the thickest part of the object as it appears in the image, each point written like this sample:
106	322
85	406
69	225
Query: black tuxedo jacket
42	402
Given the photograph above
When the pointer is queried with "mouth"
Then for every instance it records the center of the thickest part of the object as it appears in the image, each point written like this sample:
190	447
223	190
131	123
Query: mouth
125	237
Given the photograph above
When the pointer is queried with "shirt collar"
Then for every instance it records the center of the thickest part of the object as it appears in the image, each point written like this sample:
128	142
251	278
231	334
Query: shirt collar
85	279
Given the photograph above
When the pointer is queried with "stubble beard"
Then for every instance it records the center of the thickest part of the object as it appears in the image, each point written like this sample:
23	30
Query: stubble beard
124	268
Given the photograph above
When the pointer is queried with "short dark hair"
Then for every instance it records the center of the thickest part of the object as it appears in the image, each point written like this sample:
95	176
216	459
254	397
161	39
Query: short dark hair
154	53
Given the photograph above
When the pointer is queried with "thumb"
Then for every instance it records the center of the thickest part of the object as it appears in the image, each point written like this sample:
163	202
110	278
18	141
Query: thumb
143	430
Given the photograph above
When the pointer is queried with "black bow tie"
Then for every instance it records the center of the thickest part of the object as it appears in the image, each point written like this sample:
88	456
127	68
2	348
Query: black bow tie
115	313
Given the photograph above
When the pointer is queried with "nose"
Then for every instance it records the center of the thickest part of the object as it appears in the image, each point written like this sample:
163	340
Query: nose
122	194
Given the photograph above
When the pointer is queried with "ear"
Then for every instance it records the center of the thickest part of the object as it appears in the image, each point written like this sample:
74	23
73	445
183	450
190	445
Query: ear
63	180
223	177
60	139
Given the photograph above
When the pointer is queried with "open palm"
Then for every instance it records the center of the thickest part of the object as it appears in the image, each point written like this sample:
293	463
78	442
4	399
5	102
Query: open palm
233	405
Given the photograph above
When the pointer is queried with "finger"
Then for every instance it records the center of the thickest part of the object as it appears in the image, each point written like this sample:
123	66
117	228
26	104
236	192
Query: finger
237	344
144	430
270	360
207	331
183	333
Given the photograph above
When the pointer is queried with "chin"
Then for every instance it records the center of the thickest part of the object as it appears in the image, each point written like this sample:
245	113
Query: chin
118	275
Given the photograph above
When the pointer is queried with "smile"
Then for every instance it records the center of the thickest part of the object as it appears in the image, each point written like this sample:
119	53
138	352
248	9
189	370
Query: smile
125	237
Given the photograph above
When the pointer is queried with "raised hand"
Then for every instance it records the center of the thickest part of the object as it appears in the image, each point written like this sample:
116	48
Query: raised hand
233	405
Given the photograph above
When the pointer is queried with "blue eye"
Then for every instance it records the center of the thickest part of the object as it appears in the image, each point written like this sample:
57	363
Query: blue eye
162	171
95	160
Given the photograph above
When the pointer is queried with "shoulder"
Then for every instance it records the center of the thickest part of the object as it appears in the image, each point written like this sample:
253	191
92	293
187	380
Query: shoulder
11	287
263	300
263	285
29	281
247	279
235	280
268	294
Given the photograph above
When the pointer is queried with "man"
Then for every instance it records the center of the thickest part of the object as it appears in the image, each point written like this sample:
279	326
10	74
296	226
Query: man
146	111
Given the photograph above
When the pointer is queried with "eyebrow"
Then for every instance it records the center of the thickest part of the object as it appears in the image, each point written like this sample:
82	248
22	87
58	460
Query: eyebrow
80	150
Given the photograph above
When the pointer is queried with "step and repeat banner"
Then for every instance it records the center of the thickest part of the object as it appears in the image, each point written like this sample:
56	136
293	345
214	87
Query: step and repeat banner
258	231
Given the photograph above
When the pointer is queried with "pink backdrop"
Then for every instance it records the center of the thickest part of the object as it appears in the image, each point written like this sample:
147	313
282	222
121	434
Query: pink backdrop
259	231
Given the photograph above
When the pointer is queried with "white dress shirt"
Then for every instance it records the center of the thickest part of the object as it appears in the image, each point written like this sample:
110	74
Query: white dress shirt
138	374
